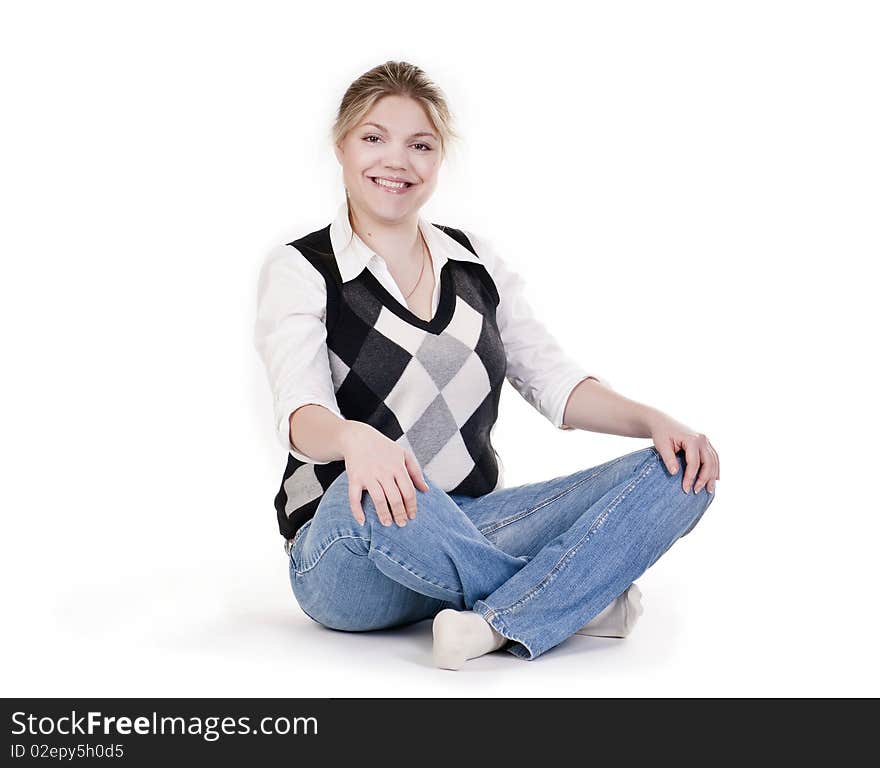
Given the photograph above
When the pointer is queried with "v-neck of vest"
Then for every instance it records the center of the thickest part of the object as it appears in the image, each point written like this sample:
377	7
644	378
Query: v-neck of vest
445	305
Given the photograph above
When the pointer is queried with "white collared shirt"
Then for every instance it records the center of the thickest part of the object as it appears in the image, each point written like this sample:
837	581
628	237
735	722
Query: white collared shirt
290	334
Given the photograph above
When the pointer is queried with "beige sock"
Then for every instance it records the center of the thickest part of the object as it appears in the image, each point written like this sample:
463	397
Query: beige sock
462	635
618	618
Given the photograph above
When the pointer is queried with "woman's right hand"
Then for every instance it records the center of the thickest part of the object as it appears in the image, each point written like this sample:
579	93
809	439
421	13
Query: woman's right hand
383	468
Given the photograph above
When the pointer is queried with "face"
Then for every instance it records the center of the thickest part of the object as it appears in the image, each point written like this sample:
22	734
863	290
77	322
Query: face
394	141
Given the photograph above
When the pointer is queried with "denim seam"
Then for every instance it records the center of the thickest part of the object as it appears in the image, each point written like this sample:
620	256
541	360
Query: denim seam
355	552
498	524
316	558
419	576
520	653
320	554
595	525
297	536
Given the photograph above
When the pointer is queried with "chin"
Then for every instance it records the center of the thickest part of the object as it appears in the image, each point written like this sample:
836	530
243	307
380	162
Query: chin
390	203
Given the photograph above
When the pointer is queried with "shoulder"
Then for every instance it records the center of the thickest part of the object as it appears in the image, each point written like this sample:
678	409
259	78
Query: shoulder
286	271
303	255
488	266
501	269
474	242
510	285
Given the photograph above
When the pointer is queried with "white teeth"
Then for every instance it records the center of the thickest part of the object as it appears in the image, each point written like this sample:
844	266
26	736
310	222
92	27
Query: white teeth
392	184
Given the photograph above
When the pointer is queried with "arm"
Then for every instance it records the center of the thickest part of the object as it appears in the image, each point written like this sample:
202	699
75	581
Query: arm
569	396
595	407
290	336
320	433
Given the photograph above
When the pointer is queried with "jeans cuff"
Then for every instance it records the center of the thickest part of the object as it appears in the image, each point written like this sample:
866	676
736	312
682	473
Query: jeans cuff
517	645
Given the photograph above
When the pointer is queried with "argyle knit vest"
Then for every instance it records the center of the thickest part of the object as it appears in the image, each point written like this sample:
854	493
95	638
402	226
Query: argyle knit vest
432	386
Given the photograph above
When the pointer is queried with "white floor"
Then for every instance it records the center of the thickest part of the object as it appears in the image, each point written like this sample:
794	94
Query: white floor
226	627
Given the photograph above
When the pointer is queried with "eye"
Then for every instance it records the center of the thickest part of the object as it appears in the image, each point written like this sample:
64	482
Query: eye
425	147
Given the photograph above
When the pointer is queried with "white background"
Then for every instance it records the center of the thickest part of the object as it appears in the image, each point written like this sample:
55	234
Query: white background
690	189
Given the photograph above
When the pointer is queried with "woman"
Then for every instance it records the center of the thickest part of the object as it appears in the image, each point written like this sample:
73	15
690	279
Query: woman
386	340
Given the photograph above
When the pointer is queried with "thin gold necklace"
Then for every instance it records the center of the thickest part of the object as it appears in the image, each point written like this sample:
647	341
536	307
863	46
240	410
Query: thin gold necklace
424	261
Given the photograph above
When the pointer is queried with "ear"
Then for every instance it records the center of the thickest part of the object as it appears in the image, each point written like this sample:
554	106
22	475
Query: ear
338	152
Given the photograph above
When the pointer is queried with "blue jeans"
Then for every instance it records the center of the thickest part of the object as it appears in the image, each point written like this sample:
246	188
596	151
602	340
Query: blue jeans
537	561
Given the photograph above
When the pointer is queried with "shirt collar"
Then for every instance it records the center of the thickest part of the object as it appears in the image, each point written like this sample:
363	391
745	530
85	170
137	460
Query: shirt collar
353	254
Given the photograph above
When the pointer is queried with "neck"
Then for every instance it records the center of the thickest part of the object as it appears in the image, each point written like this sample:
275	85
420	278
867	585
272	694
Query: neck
398	243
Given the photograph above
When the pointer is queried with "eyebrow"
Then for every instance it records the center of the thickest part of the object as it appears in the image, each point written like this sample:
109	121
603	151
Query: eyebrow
413	136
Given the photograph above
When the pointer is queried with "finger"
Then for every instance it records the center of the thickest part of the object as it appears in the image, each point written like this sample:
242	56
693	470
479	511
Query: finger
692	459
717	471
407	493
355	492
398	512
415	470
378	496
706	470
667	453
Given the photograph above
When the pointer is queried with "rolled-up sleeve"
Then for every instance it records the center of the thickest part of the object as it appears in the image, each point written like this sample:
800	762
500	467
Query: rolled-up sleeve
290	336
537	366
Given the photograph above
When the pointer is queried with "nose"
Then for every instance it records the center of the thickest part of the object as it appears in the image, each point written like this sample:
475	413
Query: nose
394	158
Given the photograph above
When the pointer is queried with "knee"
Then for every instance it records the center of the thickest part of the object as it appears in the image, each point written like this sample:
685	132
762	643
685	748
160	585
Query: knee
676	479
334	520
436	514
690	505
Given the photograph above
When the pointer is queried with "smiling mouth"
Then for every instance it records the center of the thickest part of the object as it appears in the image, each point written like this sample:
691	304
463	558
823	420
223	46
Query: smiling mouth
390	186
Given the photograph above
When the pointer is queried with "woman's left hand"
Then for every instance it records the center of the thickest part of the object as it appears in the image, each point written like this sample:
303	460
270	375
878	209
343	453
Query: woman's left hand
670	436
